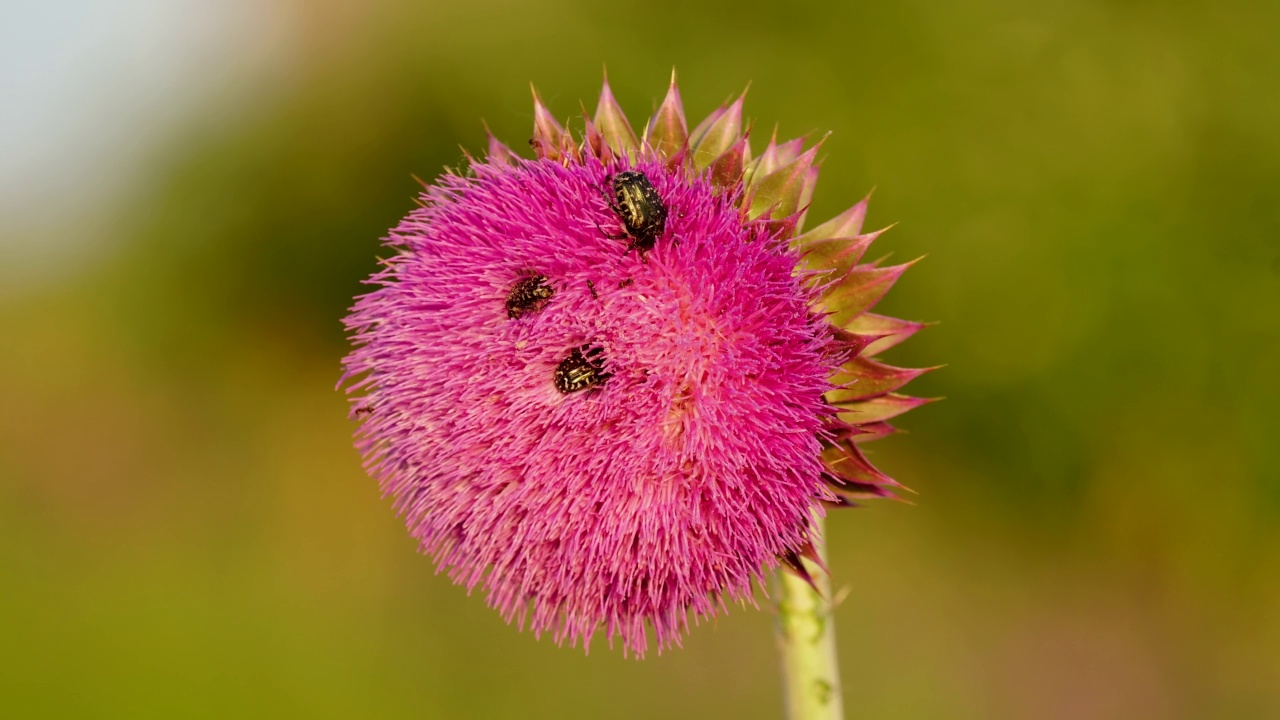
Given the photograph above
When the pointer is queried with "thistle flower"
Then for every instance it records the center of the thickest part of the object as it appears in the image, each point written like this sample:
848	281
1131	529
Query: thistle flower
611	385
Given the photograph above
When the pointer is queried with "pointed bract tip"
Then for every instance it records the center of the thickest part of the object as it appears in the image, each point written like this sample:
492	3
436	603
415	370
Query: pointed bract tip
667	133
550	140
612	123
810	553
594	141
792	563
717	135
785	189
496	150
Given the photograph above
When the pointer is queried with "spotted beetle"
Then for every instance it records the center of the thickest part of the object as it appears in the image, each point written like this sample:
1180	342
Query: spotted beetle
529	295
583	368
638	206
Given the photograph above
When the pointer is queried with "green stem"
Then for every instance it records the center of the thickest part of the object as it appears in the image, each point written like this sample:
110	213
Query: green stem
807	641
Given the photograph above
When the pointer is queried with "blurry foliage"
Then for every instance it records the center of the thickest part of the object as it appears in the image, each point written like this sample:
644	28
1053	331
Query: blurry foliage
1096	535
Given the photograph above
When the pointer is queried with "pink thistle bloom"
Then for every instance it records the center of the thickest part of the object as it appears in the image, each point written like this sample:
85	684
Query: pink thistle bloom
612	385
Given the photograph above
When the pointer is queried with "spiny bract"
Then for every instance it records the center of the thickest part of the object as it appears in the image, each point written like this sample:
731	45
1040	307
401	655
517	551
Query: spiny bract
726	393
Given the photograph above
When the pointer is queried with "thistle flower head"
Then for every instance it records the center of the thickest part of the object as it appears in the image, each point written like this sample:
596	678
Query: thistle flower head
612	384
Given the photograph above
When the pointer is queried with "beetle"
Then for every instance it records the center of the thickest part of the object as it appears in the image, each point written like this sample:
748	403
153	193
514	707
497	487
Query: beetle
639	207
583	368
528	295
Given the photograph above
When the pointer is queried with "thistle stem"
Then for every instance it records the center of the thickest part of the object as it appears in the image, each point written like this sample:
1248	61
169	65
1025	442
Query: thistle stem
807	641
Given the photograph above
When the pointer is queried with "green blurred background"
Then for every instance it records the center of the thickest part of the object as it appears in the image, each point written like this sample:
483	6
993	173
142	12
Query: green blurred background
192	192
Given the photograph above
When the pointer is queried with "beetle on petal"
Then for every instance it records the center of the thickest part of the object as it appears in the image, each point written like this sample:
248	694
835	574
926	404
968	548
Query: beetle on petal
638	205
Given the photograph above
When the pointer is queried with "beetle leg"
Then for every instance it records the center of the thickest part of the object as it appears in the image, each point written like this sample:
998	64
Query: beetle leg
611	237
